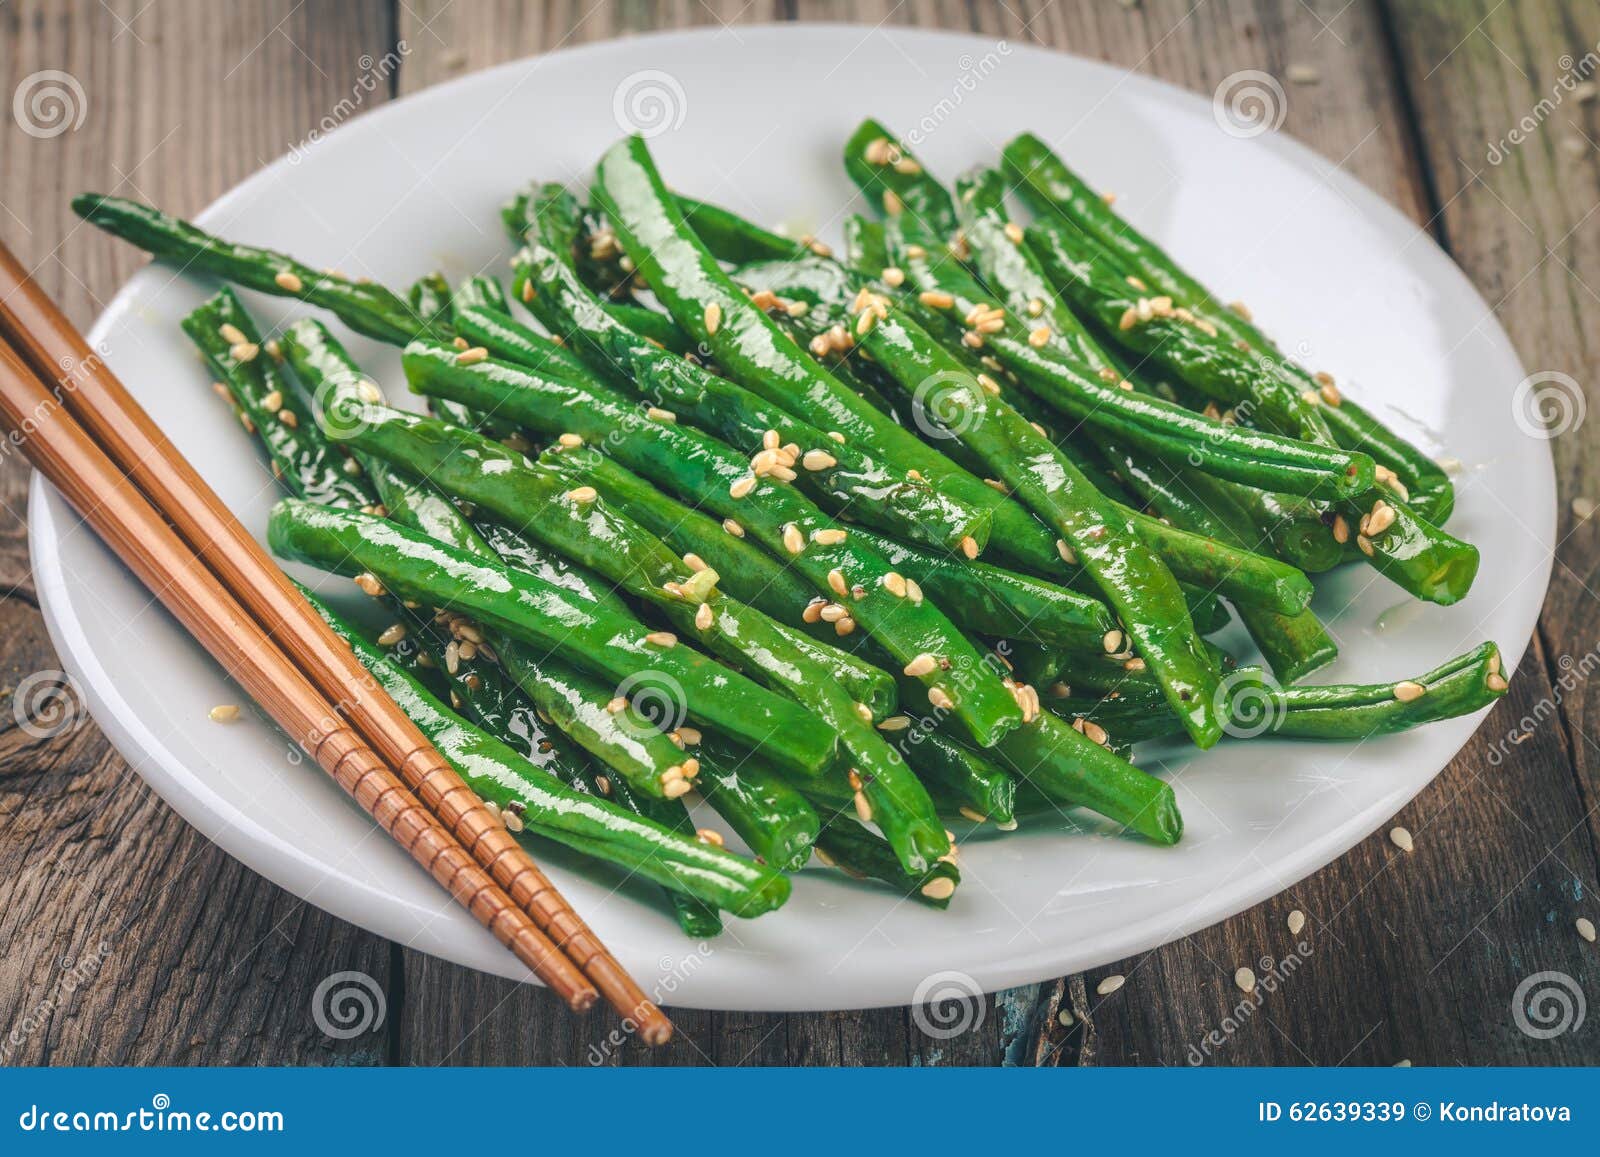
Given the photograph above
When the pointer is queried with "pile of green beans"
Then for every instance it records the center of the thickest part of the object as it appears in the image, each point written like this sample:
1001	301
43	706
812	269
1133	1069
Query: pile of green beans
850	547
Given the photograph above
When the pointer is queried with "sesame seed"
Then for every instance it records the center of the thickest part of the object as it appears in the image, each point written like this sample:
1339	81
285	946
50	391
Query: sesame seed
939	888
708	836
793	540
472	356
616	705
704	617
913	592
662	638
392	635
1297	921
1401	839
1094	732
288	282
676	789
1406	691
895	584
691	767
940	698
742	486
1014	232
1585	928
1129	319
1134	664
878	151
733	528
289	418
969	546
895	723
1110	984
1341	529
894	276
657	414
369	584
829	537
571	441
228	712
831	612
864	712
936	299
460	343
527	291
892	204
273	402
1112	642
1380	519
512	820
973	814
1245	978
1365	544
1496	683
583	494
863	808
923	664
990	386
713	318
1039	336
244	351
1065	552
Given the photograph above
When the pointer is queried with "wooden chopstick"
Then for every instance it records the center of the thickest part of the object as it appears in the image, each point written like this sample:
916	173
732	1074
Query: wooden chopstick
94	395
110	503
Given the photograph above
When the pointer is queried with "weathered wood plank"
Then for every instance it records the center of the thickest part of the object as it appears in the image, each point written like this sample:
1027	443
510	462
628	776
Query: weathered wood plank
125	937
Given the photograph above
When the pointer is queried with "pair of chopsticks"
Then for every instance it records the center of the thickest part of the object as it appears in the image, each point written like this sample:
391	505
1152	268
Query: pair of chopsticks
79	426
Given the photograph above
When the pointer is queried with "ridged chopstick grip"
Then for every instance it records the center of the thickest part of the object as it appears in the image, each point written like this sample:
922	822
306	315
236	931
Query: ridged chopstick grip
122	517
57	352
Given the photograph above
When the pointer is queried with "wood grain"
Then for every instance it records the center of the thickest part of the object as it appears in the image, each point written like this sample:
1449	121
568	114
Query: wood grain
208	962
1411	957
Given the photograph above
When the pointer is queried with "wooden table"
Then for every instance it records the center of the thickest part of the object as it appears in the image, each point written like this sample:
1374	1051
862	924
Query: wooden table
126	938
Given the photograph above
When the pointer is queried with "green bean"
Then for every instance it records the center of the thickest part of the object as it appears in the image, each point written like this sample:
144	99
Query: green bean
606	643
228	338
1257	705
1052	189
365	307
769	815
587	824
836	473
538	503
705	472
748	344
855	851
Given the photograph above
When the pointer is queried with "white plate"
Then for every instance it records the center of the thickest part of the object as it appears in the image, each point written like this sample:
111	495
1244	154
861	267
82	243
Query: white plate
755	120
